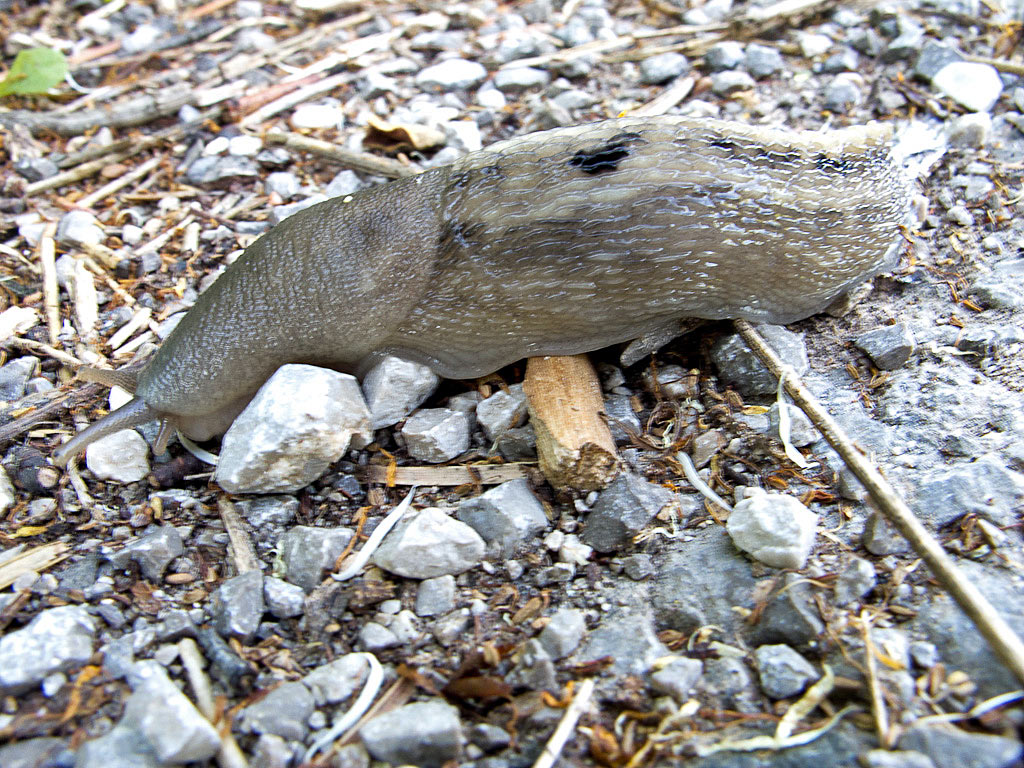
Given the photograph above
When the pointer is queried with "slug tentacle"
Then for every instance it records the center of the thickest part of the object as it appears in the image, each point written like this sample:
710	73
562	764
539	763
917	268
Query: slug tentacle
131	414
125	378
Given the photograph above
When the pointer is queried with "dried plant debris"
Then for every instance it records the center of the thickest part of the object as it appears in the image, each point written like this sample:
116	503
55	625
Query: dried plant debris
493	616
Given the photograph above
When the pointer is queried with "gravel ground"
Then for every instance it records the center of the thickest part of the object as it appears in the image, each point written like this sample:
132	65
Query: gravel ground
140	600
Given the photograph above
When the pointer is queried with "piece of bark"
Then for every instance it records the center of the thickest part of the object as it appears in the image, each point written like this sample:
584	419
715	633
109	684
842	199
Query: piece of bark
483	474
574	445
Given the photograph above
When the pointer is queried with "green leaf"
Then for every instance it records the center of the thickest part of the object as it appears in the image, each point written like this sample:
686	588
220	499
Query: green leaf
35	70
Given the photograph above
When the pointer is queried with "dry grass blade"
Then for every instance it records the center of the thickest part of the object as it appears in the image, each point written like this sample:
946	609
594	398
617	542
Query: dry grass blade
36	560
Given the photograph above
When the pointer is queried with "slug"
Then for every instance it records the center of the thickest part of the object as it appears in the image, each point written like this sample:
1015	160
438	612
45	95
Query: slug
554	243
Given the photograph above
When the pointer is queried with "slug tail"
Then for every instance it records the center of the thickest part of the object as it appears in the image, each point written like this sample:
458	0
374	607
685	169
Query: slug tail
125	378
127	416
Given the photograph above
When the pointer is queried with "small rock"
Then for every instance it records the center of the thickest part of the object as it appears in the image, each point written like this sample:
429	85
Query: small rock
933	57
14	377
338	680
783	671
436	434
285	185
762	61
880	538
638	567
950	747
971	130
924	654
906	43
283	712
394	388
426	734
7	493
958	214
727	682
56	640
1003	287
502	411
509	514
812	44
221	171
534	668
776	529
737	365
883	758
376	637
889	346
79	227
791	616
121	457
451	75
563	632
283	600
282	442
270	751
269	511
855	580
844	92
489	738
429	544
628	636
312	117
663	67
677	678
622	510
436	596
705	446
344	183
519	79
730	82
845	60
970	84
984	487
153	552
36	168
724	55
245	145
281	212
307	552
42	752
237	605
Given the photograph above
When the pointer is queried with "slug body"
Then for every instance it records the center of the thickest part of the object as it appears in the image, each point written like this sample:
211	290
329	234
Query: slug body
558	242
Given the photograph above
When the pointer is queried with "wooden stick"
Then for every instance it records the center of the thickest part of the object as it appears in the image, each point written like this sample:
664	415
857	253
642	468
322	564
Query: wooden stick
37	559
1000	636
51	294
241	546
575	448
229	755
566	725
466	474
359	161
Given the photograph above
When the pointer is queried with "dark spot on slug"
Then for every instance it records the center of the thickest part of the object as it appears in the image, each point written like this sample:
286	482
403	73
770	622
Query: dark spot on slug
781	158
833	164
727	144
463	179
606	157
455	236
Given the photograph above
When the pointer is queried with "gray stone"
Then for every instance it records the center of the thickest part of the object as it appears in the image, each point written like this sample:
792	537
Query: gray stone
502	411
762	61
338	680
79	227
933	57
283	600
534	669
449	629
888	346
509	514
426	734
344	183
925	655
801	431
237	605
705	446
663	67
375	637
436	434
855	580
563	632
301	420
724	55
1003	287
883	758
307	552
56	640
622	510
677	678
729	684
282	184
271	751
738	366
776	529
7	493
844	60
36	168
783	671
394	388
730	82
15	375
281	212
121	747
283	712
950	747
167	721
638	567
791	616
517	443
970	84
153	552
42	752
451	75
221	171
906	44
958	214
519	79
269	511
972	130
622	419
844	92
121	456
880	538
435	596
489	738
628	636
984	487
428	544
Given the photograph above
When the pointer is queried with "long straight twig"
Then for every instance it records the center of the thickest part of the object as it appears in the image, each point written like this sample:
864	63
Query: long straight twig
566	726
1000	636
